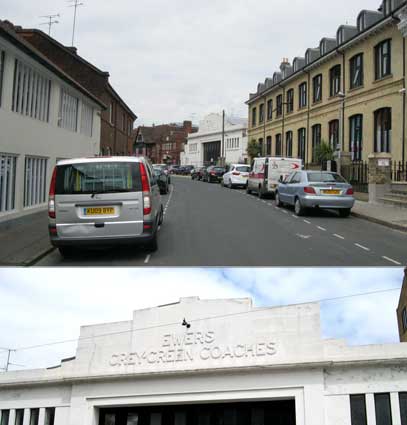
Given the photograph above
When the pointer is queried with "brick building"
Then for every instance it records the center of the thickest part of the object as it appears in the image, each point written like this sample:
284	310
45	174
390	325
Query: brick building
162	143
402	310
118	119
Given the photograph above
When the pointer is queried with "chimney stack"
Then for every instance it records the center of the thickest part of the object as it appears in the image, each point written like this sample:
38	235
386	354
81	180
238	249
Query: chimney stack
284	64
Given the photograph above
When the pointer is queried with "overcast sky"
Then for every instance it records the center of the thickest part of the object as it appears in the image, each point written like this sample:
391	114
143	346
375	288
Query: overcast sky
39	306
172	59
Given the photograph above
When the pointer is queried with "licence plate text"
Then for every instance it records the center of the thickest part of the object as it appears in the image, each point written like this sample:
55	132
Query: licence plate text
331	192
99	211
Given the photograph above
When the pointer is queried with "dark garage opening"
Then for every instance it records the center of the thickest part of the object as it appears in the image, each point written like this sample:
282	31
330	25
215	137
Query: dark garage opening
281	412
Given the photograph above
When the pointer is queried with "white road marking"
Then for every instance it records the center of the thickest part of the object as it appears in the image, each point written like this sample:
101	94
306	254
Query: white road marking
321	228
391	260
269	204
277	208
304	236
306	221
362	247
284	211
159	228
147	259
295	216
339	236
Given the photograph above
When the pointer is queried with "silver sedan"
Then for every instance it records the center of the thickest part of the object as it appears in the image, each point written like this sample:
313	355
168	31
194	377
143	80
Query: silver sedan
316	189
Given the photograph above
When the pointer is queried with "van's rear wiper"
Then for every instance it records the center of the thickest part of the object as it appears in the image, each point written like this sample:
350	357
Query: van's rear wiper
107	191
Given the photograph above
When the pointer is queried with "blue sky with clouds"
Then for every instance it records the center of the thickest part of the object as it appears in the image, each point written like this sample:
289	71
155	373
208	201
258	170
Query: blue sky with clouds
38	306
169	60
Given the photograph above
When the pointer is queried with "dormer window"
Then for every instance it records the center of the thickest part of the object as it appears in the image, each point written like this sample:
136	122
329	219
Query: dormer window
340	37
361	22
386	7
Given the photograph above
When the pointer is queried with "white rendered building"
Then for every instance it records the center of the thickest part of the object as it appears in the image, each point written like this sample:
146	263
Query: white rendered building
234	365
205	146
44	116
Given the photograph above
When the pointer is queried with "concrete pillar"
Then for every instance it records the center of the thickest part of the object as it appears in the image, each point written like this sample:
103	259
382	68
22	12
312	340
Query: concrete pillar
395	408
370	409
26	420
342	159
41	418
12	417
379	175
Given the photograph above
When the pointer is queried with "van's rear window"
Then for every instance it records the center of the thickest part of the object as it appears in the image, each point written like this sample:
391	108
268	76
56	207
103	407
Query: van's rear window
98	177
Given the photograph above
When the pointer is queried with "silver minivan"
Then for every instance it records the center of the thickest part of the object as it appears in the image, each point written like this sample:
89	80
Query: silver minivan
104	201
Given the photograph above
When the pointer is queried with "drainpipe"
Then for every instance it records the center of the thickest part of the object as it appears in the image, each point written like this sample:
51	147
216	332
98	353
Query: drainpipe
283	123
344	92
308	115
264	126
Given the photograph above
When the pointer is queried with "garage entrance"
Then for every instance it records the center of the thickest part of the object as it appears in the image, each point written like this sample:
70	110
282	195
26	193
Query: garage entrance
280	412
211	153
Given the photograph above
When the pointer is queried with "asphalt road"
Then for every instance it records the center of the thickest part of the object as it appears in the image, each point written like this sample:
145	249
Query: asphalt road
207	225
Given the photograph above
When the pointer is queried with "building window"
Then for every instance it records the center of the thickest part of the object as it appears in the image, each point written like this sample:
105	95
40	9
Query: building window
290	101
316	141
303	95
279	105
261	113
68	111
334	134
4	418
111	120
301	143
404	319
383	59
8	166
261	146
34	416
35	176
278	145
87	120
382	123
49	416
317	88
2	60
383	409
335	80
270	109
289	144
268	146
254	117
403	408
19	419
358	409
356	71
31	92
356	137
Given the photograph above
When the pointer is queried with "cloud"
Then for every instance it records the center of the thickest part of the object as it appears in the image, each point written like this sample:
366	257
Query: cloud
171	59
46	305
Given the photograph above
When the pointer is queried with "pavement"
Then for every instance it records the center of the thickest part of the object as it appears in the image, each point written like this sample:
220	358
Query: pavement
24	241
206	225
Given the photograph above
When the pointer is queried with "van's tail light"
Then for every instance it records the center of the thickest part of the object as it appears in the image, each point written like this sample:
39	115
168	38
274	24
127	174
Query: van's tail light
145	187
236	173
51	199
350	191
310	190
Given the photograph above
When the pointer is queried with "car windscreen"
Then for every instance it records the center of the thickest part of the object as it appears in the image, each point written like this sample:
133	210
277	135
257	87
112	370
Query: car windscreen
98	177
219	169
243	169
321	177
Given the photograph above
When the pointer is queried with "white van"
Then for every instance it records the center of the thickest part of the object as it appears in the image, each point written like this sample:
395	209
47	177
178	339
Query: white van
266	173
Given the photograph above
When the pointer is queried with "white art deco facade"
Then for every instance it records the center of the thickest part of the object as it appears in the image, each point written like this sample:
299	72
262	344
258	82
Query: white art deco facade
234	365
205	147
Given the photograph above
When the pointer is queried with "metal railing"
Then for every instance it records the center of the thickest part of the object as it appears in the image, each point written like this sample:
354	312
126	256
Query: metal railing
357	174
399	171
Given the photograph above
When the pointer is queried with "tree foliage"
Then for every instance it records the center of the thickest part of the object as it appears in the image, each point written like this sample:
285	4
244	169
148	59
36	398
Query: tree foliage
253	149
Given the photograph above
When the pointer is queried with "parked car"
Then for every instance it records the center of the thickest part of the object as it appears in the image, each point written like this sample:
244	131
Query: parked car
316	189
266	173
201	173
104	201
163	180
187	169
173	169
165	168
236	175
213	174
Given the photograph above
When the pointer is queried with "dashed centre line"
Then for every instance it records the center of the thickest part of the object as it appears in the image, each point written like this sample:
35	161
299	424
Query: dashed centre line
306	221
362	247
339	236
321	228
146	261
391	260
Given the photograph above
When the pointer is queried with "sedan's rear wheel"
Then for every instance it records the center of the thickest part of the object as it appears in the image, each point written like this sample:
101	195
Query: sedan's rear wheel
230	185
345	212
298	208
248	191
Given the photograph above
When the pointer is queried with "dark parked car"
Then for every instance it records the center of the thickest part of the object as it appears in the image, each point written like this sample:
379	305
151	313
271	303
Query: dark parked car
174	169
187	169
163	180
213	174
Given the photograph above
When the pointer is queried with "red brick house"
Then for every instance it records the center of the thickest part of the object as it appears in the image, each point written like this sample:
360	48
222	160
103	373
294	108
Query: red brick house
118	119
163	143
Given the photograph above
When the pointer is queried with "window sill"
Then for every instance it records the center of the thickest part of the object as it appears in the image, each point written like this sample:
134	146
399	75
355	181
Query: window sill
302	108
386	77
354	89
317	102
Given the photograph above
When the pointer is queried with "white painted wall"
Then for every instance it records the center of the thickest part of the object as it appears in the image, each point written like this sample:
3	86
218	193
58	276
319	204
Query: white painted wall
22	135
210	130
318	374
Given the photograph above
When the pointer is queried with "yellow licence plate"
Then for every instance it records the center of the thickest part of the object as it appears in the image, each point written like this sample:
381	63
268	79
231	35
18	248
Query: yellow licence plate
331	192
99	211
